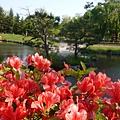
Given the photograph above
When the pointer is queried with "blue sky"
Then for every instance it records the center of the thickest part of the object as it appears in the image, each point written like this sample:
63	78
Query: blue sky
57	7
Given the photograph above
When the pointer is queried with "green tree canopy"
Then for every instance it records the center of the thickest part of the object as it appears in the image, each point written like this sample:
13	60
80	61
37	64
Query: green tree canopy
44	24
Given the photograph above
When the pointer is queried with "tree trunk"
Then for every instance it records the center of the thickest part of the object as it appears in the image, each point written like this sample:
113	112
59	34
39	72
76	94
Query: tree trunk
116	32
46	46
103	30
76	48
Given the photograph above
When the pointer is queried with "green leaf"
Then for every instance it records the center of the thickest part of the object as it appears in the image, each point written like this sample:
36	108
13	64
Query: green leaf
100	116
7	69
55	107
14	70
17	76
1	89
25	118
23	67
54	118
79	73
102	89
83	66
75	95
74	87
2	78
1	72
91	69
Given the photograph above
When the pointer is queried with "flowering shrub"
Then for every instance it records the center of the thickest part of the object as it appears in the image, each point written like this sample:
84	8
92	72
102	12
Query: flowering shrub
37	92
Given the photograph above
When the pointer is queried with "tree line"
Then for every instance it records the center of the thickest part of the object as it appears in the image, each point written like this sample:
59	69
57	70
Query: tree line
100	22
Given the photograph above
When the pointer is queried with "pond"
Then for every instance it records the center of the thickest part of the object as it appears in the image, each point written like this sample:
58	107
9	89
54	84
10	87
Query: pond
10	49
107	64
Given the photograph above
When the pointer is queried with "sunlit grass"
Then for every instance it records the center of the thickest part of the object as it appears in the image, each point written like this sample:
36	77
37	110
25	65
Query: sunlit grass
15	37
105	47
21	38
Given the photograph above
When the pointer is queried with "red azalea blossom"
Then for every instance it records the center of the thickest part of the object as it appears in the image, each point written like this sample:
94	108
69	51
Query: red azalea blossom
114	91
1	66
111	109
40	62
50	88
29	60
18	114
64	92
44	93
2	108
94	84
86	85
64	104
66	66
14	94
48	98
14	62
71	111
30	86
39	103
51	78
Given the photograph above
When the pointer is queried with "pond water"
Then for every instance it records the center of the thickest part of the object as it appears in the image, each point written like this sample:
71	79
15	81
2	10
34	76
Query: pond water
107	64
10	49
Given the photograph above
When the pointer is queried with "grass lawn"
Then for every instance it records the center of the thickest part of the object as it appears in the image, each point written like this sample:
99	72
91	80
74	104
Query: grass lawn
14	37
21	38
105	47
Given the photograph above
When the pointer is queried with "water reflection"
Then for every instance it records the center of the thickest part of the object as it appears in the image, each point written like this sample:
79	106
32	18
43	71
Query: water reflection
10	49
109	65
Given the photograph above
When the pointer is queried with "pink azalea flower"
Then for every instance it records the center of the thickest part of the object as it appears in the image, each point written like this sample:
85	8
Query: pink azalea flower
14	62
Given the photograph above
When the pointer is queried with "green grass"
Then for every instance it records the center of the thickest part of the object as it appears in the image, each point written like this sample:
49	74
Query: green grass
21	38
105	47
14	37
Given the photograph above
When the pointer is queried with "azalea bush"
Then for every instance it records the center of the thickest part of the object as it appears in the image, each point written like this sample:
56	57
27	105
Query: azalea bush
34	91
